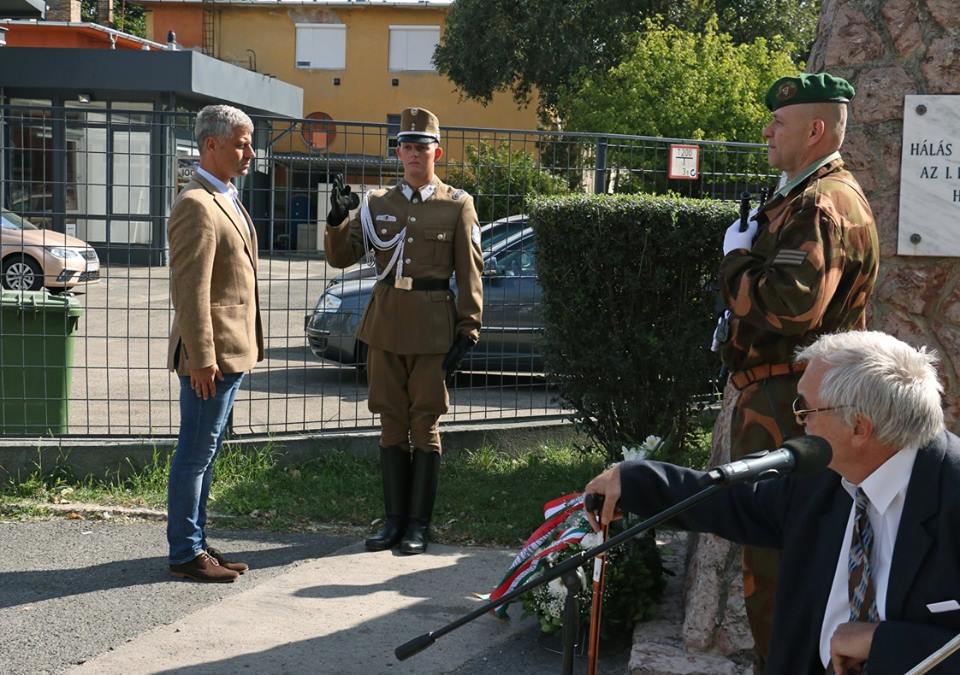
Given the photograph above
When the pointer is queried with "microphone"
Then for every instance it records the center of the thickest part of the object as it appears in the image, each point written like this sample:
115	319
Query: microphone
800	455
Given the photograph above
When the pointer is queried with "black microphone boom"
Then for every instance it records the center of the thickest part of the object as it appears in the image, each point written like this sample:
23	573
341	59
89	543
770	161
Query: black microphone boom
800	455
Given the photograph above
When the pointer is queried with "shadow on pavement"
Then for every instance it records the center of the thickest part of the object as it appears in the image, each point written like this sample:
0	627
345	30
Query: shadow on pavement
30	586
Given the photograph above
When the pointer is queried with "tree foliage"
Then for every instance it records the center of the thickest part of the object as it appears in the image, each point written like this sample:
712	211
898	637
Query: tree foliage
495	45
501	179
682	85
538	46
127	17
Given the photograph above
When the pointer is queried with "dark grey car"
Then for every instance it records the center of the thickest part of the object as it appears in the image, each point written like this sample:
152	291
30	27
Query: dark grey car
512	321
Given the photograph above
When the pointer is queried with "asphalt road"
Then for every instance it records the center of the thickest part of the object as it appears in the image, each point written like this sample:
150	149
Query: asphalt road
73	592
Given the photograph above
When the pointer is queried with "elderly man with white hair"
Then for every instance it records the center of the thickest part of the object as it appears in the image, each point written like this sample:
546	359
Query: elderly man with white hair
871	548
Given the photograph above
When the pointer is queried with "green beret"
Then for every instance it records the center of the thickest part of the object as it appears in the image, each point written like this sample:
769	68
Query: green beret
809	88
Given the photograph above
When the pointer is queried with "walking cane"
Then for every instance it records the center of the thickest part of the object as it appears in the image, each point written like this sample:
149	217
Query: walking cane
596	607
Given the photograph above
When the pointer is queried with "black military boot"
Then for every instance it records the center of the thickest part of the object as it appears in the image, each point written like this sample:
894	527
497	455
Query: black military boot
423	491
395	471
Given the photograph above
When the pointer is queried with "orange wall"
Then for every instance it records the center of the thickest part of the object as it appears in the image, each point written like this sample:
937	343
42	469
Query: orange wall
65	37
185	20
365	93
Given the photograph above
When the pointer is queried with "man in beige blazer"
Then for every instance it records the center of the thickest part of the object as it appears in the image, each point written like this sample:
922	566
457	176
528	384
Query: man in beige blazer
216	334
422	231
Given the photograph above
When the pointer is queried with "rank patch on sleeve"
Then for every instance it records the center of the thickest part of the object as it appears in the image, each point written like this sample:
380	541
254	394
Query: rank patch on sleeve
790	257
475	234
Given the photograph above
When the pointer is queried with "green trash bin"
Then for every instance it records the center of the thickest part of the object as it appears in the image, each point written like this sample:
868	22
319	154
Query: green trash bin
36	354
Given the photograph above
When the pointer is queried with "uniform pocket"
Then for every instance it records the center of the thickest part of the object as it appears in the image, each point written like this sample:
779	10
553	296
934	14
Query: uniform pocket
441	241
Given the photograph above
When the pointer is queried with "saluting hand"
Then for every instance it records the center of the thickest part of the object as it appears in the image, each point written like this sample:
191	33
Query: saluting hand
342	201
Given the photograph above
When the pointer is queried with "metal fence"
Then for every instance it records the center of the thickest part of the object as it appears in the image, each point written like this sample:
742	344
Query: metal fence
108	176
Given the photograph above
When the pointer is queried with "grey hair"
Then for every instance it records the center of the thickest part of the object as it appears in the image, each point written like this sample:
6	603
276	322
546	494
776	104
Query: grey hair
876	375
219	121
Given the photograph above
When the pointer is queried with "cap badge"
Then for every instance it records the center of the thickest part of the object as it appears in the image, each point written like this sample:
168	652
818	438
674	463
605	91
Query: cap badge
414	111
786	91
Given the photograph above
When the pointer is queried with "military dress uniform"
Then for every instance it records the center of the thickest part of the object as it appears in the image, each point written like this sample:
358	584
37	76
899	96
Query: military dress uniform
811	270
420	237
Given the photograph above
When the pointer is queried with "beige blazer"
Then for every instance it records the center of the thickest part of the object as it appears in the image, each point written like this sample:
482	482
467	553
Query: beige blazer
213	283
443	238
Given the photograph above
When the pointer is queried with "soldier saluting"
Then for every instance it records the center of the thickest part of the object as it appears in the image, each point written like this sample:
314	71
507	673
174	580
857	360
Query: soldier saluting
805	264
421	232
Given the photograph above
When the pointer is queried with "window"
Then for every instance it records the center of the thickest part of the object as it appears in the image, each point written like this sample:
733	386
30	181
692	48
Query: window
321	45
412	47
393	128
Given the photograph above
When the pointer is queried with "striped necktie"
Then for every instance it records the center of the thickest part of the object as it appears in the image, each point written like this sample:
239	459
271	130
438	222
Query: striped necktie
862	592
860	588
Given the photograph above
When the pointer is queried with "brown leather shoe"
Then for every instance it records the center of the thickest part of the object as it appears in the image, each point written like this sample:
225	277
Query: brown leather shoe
204	568
230	565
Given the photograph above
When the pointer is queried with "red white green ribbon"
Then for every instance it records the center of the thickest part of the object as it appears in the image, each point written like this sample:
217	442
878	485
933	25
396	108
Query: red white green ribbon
565	525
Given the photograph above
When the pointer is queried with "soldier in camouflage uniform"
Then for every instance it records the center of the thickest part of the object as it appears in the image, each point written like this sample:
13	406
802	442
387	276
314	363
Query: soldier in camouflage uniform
421	231
805	265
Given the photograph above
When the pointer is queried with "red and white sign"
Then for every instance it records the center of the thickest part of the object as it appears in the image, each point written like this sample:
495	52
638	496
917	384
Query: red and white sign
684	162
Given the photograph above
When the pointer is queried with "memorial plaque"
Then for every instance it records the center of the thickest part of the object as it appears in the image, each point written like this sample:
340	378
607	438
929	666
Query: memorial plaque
930	177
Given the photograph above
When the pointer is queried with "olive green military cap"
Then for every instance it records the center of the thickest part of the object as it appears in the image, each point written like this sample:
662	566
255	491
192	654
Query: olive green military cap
418	125
809	88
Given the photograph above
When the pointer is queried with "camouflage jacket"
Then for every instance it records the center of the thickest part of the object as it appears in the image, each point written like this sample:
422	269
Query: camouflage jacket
811	270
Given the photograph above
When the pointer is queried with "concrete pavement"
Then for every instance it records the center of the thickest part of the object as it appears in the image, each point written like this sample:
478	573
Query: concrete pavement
92	596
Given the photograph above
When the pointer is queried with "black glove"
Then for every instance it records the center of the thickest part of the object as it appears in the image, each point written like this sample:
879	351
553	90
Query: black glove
342	201
459	349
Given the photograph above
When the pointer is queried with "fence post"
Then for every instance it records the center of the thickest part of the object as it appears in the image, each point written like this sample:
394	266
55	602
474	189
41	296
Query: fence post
600	172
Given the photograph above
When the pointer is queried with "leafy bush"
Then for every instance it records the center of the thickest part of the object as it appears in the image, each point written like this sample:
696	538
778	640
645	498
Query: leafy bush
627	318
500	179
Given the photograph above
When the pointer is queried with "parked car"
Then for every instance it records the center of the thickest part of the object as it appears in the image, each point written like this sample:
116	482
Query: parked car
32	258
512	323
491	234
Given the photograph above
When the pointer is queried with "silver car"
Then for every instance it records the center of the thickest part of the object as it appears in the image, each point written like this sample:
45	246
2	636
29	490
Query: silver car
512	324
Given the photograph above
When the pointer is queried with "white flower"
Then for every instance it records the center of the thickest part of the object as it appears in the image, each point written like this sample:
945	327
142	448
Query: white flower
651	443
591	539
556	589
630	454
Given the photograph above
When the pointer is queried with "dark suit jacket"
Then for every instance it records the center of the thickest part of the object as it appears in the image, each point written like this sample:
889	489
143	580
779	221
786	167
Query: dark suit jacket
806	517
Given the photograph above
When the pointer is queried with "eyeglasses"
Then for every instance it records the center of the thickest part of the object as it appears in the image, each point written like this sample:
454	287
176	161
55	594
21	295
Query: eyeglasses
801	413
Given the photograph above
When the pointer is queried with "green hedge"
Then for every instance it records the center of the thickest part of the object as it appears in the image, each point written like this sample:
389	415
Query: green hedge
627	312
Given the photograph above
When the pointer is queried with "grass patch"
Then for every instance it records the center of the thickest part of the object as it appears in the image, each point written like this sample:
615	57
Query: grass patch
485	497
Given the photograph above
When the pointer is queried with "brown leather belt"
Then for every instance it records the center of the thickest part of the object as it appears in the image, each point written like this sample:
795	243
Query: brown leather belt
744	378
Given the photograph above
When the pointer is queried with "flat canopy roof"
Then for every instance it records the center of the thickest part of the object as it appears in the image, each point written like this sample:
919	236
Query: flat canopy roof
117	73
23	9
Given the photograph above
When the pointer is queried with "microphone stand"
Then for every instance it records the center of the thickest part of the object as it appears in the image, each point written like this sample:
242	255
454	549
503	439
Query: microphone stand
568	570
938	657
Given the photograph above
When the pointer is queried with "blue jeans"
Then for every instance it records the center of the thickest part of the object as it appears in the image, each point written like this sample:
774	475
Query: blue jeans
202	427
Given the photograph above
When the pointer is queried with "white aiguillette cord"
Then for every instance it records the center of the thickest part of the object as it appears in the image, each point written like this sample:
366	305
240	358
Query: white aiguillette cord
372	239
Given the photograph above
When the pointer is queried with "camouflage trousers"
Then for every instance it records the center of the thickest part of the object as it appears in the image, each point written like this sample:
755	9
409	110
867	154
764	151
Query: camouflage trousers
761	419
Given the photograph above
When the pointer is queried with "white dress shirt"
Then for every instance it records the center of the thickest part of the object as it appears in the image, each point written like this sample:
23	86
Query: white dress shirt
424	193
887	489
228	189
